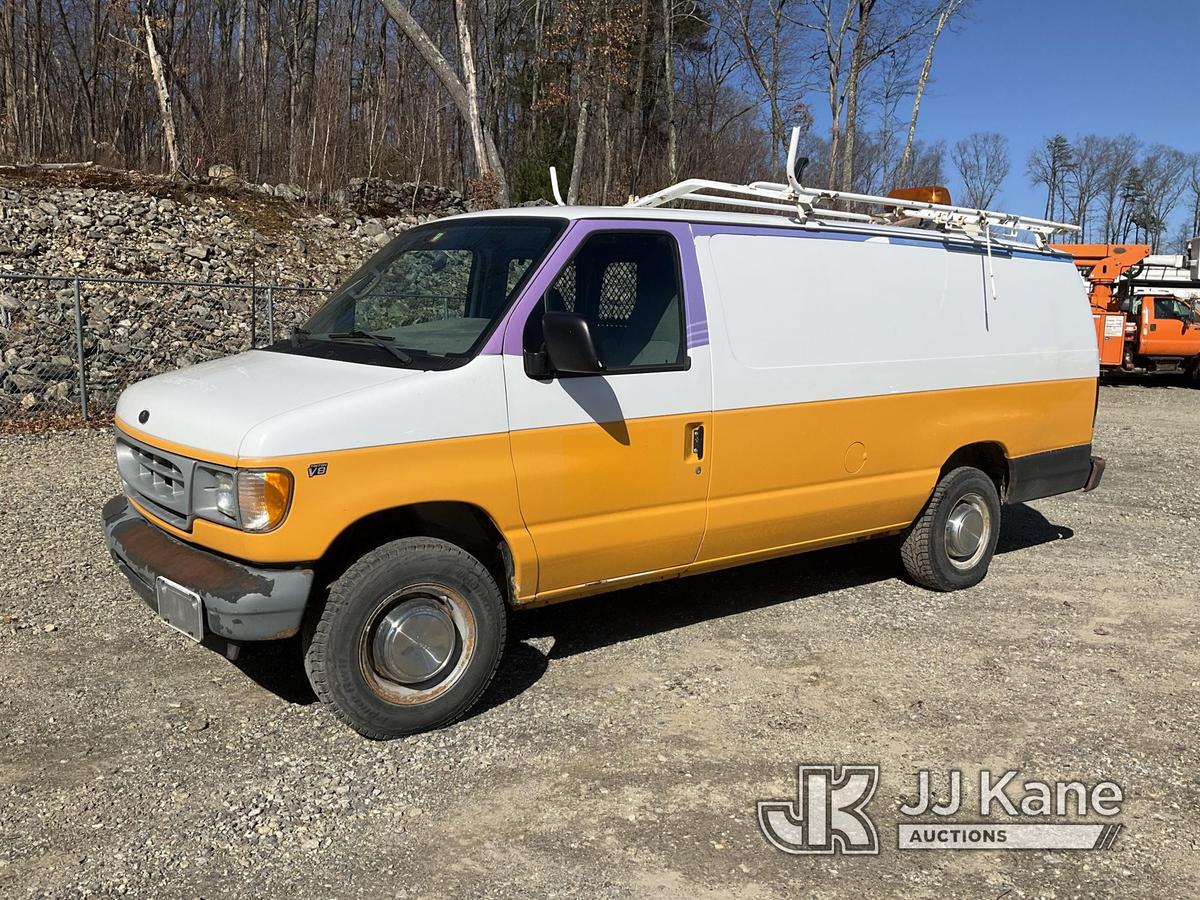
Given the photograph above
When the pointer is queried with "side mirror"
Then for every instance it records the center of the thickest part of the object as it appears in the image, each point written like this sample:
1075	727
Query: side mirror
569	344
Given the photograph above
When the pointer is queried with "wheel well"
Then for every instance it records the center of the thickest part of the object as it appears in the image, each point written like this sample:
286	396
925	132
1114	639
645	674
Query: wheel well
462	524
987	456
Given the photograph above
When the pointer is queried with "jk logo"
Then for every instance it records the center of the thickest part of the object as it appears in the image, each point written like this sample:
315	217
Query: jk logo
827	815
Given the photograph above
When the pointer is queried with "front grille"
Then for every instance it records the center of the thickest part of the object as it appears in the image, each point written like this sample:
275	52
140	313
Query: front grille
158	480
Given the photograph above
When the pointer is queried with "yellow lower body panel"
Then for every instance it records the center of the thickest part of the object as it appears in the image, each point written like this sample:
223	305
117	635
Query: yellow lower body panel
605	502
814	473
474	470
590	508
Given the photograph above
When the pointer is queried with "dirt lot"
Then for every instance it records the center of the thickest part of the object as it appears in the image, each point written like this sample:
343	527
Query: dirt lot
624	744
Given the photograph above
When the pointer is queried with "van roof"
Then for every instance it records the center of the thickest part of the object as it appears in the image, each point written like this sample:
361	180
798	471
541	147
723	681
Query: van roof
759	220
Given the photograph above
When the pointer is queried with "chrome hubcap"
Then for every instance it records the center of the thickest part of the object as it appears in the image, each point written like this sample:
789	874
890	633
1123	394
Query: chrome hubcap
417	643
414	642
968	529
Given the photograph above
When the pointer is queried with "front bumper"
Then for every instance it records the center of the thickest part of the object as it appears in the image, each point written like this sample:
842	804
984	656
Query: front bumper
241	602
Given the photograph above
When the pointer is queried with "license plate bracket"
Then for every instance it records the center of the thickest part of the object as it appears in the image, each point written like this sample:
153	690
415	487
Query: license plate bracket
180	607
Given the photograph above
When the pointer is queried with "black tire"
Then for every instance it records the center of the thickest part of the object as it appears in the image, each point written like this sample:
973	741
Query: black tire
458	597
933	550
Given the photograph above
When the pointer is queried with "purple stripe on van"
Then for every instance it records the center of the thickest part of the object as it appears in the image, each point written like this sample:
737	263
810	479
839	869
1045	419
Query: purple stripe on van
507	337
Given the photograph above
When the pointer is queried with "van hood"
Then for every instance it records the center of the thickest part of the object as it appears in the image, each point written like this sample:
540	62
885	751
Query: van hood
211	407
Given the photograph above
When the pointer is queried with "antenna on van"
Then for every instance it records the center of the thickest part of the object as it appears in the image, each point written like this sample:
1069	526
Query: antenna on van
554	187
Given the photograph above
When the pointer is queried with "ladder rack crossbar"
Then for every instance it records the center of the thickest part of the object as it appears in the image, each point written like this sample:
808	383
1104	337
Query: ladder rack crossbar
815	203
760	204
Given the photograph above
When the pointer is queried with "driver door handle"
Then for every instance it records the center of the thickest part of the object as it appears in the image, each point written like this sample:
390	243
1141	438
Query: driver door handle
697	440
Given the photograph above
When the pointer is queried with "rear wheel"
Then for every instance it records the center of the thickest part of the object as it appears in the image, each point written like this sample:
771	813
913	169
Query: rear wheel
410	636
951	544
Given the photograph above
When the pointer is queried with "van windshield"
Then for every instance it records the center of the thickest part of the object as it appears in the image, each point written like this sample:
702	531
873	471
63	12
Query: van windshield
429	298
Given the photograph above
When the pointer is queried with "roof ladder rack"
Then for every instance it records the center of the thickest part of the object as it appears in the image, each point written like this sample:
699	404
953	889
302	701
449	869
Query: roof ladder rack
818	204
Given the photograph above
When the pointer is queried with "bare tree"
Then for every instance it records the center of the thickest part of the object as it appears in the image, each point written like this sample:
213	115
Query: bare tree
164	96
465	98
1048	165
769	43
1119	159
628	94
668	19
1193	187
1164	178
948	10
982	162
581	129
872	29
1083	182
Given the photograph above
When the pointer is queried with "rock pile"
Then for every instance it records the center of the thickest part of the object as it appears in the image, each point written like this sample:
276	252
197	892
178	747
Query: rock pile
163	231
374	195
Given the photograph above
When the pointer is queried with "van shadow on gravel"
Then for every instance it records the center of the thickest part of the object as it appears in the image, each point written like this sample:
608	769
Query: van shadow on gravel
594	622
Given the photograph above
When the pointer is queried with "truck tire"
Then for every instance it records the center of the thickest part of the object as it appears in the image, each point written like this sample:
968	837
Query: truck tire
951	544
409	637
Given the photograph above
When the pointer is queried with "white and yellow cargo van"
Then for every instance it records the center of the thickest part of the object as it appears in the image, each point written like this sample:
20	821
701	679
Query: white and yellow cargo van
518	407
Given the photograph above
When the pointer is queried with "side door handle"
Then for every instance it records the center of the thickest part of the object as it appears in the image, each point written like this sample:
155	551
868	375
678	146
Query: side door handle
698	441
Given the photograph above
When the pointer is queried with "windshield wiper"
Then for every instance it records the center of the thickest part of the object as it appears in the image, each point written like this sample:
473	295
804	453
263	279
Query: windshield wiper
379	340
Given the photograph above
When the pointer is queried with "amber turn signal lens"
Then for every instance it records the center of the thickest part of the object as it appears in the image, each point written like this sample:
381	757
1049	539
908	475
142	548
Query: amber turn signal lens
264	496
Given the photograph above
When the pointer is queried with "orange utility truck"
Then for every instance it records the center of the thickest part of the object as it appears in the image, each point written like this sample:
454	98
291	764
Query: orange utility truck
1142	324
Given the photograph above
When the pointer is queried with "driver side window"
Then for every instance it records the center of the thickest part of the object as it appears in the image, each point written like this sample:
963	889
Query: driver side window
627	285
1172	308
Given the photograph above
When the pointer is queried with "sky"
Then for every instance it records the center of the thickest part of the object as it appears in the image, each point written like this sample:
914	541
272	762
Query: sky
1031	69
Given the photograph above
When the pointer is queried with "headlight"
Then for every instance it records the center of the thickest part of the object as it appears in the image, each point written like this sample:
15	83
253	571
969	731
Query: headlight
225	493
263	497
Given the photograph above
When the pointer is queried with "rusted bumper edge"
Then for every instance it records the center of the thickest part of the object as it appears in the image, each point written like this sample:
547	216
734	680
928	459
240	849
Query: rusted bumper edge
241	602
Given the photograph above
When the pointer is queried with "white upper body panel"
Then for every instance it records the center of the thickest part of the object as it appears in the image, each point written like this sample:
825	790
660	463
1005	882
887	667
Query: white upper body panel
795	320
262	404
799	313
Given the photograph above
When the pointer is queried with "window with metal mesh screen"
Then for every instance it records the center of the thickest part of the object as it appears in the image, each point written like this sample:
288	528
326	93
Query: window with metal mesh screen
618	291
562	293
626	284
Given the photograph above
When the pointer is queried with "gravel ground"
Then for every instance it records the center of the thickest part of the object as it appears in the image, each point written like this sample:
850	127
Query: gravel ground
624	744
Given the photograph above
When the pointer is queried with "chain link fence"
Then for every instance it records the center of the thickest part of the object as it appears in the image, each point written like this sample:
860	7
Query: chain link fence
69	344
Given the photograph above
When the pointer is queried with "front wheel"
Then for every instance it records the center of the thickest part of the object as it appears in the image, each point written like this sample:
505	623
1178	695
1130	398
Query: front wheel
409	638
951	544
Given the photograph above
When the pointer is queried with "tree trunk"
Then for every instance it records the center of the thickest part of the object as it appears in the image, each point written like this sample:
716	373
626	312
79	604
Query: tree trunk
240	49
857	56
947	13
467	103
636	114
164	98
581	129
470	83
669	79
262	22
833	52
10	139
606	127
